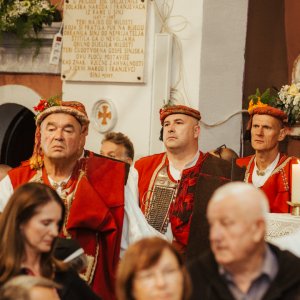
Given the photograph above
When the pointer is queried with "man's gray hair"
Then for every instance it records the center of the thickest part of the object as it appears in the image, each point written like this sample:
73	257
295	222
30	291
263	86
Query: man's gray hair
243	191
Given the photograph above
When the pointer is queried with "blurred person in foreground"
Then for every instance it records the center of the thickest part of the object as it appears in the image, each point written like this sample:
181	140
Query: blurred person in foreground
118	146
152	269
26	287
29	226
268	169
241	264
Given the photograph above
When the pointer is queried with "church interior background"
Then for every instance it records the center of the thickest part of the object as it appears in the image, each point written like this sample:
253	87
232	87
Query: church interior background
209	54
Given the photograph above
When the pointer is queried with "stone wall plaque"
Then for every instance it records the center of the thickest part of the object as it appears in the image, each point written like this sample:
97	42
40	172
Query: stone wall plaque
104	40
14	59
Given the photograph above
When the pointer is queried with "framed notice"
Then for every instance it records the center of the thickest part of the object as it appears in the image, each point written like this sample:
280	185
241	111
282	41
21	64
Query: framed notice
104	40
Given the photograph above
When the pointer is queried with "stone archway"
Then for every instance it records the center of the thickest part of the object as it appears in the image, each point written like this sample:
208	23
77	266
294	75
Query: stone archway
16	134
17	126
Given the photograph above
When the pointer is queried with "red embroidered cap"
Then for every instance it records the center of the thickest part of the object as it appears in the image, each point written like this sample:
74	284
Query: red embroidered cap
74	108
178	109
44	109
269	110
265	104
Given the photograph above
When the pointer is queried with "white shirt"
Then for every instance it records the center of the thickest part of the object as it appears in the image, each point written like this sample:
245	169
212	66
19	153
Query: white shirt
259	180
176	174
6	190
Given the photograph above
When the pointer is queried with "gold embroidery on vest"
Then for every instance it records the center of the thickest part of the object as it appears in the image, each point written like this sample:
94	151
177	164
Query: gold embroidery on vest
88	274
68	198
278	169
159	199
247	173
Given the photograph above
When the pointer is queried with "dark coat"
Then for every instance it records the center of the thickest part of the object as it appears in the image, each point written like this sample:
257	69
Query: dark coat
73	287
209	285
214	173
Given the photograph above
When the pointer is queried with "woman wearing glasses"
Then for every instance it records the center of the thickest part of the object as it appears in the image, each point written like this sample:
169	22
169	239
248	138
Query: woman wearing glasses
152	269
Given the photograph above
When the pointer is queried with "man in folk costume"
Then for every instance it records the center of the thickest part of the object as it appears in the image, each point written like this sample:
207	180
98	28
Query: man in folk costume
175	186
84	181
268	169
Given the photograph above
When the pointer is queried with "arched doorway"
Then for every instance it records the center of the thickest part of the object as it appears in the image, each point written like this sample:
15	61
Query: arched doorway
17	129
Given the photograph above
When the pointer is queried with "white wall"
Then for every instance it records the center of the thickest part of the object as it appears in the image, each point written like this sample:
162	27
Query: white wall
213	65
19	94
132	101
222	71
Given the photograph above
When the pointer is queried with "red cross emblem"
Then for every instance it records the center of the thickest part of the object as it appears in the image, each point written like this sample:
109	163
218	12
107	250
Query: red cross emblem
104	114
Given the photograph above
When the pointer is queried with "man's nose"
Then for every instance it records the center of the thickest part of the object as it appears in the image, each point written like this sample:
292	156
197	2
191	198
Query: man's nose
215	232
171	128
58	135
259	131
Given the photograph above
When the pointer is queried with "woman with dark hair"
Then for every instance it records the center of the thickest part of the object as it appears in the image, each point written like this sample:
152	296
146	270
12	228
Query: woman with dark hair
152	269
29	226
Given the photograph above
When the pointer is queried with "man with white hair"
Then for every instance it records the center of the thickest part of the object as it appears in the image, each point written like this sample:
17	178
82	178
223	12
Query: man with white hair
84	181
241	265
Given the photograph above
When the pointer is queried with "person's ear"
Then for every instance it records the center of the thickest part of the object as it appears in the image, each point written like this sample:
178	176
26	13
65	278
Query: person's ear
128	160
259	229
84	130
282	134
196	131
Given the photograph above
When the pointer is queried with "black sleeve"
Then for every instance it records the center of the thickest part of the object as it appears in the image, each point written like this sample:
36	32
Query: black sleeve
73	287
214	173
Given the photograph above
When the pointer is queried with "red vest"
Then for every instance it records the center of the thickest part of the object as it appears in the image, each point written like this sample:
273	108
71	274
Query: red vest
278	185
96	215
181	210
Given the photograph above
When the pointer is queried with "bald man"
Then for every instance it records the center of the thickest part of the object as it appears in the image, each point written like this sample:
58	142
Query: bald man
174	186
241	265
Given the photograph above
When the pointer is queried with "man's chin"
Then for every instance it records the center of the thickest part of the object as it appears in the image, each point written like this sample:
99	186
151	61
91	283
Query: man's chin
223	261
258	147
258	144
171	144
61	157
57	156
221	256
